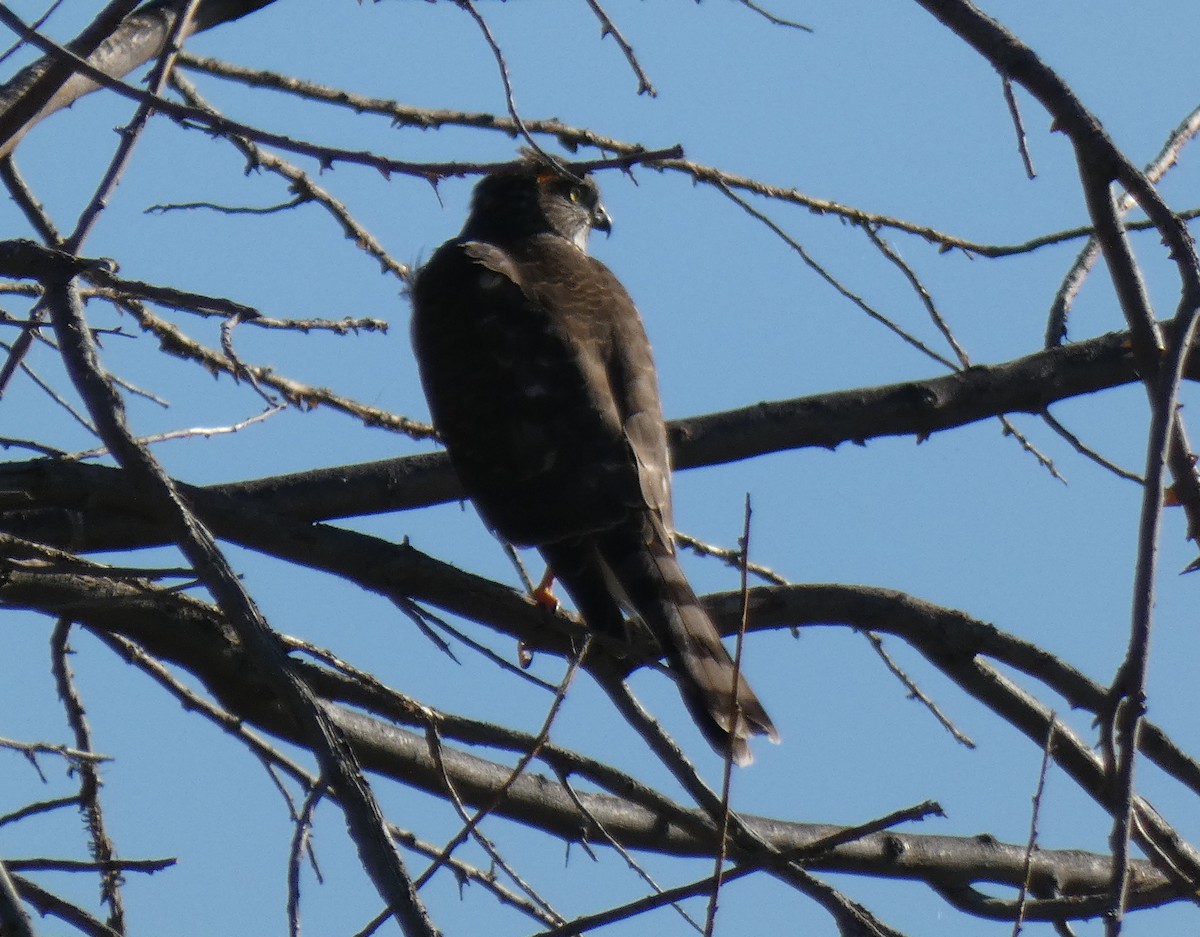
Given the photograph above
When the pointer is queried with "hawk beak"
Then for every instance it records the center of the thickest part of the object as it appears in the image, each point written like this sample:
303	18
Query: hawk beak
600	220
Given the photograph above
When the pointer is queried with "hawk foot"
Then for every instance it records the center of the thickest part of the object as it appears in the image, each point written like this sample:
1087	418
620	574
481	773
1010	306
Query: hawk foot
544	595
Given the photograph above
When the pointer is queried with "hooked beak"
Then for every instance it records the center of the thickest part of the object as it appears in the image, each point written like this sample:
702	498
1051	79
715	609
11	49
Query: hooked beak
600	220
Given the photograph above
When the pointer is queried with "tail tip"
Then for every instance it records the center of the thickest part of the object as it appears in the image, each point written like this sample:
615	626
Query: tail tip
739	743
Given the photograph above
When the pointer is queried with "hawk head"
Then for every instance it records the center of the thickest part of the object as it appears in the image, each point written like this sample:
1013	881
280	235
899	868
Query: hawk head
535	198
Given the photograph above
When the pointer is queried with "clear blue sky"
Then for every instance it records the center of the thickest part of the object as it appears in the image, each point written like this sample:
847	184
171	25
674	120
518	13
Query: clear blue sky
880	108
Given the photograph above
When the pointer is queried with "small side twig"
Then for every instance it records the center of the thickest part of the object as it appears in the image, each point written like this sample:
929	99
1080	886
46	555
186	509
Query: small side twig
31	208
100	844
471	829
1014	112
39	807
608	28
299	845
1064	297
915	691
1087	452
728	556
522	763
1035	813
206	432
624	853
964	360
727	190
773	18
303	185
735	719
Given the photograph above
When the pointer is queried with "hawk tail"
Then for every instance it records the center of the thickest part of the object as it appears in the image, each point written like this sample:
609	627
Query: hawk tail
719	698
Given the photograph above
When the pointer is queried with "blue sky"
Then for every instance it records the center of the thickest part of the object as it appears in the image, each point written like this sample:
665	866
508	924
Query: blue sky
880	108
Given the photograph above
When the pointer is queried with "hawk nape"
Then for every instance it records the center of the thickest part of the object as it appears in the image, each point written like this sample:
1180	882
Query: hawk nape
541	383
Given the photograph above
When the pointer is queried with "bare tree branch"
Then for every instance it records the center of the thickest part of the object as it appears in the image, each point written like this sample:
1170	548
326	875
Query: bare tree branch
195	630
337	760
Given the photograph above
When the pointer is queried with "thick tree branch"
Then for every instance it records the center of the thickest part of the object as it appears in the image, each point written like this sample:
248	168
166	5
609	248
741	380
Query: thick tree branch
32	89
191	634
115	519
1100	164
322	735
115	44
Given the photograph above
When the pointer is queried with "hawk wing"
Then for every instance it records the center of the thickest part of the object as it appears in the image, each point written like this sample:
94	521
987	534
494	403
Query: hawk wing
541	382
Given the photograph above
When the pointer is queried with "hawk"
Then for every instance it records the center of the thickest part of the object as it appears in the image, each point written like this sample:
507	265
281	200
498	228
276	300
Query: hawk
541	383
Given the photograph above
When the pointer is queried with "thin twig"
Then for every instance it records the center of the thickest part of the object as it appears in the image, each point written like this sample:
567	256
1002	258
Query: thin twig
591	923
46	387
49	904
505	79
522	573
336	759
426	620
523	762
964	360
735	722
1087	452
829	278
303	185
935	315
435	747
850	834
39	807
29	749
7	442
608	28
773	18
117	289
1034	814
624	853
37	24
132	132
207	432
1056	321
1014	112
728	556
299	845
163	208
305	396
99	842
915	691
239	369
31	208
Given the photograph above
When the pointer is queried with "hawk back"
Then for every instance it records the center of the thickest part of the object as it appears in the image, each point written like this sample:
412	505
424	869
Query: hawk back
516	347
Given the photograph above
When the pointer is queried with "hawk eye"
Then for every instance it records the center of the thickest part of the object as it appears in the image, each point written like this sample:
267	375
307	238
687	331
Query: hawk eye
575	195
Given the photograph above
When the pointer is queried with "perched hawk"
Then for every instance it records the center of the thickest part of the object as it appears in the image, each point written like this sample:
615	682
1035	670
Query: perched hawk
541	382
